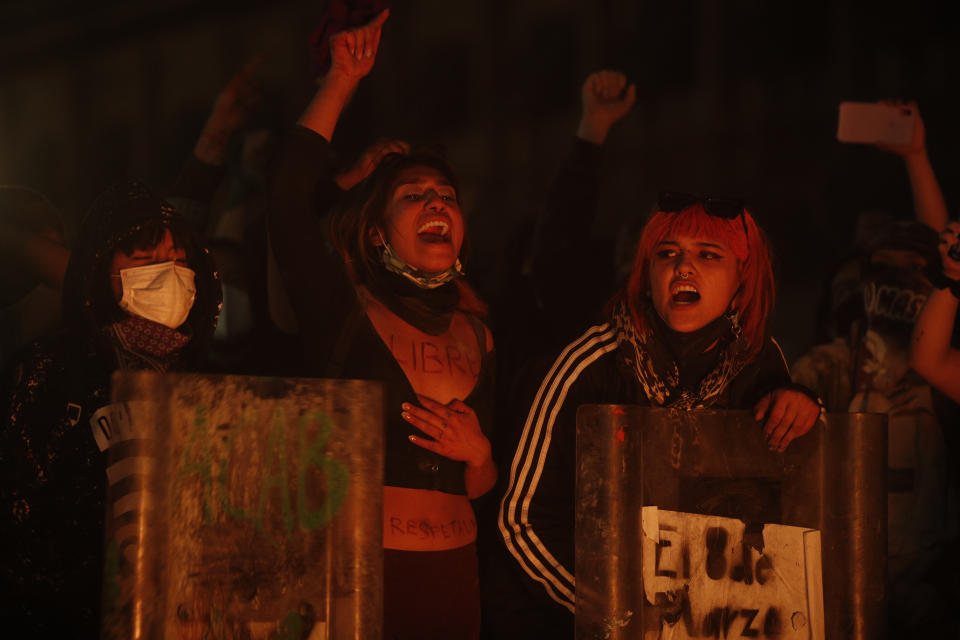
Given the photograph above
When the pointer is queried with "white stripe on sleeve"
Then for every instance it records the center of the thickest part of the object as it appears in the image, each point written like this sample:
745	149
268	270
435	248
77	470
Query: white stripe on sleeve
528	462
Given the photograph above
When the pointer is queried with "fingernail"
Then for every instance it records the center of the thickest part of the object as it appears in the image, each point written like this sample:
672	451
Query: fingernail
405	415
412	438
405	406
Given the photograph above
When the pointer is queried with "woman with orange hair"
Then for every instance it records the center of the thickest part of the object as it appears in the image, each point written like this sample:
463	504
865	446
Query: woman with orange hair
690	330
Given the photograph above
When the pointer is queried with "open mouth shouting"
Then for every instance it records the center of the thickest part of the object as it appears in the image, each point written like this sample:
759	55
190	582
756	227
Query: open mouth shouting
683	292
434	230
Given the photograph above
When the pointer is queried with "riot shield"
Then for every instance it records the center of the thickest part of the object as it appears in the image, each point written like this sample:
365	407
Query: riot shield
242	507
637	568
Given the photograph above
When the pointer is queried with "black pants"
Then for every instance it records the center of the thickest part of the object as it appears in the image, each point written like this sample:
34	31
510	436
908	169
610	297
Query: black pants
431	595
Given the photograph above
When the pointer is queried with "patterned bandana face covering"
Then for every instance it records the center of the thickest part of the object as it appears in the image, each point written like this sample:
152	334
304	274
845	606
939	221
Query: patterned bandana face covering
423	279
139	343
658	373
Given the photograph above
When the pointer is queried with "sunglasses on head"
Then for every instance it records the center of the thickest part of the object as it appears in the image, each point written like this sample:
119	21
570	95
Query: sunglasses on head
725	208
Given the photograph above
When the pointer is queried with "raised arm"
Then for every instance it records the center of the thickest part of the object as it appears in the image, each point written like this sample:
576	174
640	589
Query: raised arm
928	202
605	97
234	105
202	173
930	352
572	201
304	186
352	54
559	242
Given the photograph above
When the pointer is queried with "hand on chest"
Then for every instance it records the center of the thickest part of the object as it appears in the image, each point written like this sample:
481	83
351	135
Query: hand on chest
441	367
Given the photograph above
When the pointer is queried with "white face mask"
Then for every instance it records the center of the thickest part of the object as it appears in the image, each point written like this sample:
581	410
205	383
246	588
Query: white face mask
162	292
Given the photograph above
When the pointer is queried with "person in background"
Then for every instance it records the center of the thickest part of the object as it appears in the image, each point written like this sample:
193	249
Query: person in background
32	239
689	330
139	293
389	303
877	298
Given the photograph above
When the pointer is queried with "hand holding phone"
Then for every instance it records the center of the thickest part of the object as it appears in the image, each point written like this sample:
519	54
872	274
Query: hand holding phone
954	252
949	248
880	123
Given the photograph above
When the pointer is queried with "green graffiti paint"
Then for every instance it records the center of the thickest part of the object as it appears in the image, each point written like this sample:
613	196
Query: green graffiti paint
233	512
275	474
338	479
290	628
197	460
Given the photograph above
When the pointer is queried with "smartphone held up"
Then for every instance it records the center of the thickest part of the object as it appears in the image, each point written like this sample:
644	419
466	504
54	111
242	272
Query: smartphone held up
876	123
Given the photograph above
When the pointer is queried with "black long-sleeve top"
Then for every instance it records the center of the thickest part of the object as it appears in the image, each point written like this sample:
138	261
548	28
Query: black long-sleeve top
334	328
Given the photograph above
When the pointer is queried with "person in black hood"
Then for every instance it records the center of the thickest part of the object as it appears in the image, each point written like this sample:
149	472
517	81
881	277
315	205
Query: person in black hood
140	292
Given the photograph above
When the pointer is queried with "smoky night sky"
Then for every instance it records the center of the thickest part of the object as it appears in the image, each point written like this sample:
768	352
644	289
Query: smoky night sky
734	98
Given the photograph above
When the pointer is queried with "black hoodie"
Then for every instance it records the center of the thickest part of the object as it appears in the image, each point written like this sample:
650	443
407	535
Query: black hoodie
52	474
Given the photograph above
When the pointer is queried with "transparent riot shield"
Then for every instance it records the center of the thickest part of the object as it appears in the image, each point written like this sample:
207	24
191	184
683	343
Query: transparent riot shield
831	482
242	507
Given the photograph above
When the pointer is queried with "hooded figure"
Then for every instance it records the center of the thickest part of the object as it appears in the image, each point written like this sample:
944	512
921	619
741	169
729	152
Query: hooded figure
118	292
866	369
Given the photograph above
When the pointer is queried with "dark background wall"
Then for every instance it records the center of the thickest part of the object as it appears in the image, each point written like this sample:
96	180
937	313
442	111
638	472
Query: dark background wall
735	97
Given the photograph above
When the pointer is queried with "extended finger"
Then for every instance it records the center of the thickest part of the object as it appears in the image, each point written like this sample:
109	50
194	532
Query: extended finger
372	41
436	418
361	43
431	445
374	44
791	434
801	425
778	440
775	417
378	21
425	421
350	41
